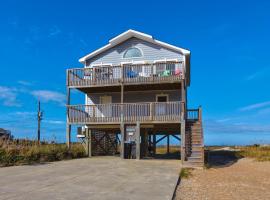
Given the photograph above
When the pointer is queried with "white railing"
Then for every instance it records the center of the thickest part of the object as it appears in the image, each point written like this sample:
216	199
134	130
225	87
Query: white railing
131	112
127	73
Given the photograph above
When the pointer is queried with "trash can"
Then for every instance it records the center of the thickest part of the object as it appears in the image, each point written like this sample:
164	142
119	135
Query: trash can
127	150
133	150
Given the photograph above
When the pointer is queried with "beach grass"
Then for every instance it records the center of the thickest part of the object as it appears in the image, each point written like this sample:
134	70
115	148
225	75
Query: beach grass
260	153
21	152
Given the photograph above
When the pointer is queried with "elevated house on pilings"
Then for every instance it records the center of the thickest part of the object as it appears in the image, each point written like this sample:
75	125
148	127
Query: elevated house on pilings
135	87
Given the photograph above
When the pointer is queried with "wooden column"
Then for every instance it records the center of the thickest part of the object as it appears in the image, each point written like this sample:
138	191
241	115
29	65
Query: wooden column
183	145
68	133
146	143
122	125
168	144
154	143
89	139
138	133
122	129
68	127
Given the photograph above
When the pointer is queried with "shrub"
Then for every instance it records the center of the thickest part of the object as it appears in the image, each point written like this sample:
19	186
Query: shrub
27	152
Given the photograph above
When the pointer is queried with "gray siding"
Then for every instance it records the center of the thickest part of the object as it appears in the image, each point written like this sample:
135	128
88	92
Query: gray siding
150	52
134	97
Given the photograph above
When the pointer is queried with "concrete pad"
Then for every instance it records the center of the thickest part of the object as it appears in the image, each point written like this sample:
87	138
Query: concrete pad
92	178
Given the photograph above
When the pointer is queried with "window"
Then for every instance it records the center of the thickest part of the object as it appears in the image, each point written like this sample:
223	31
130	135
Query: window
132	52
162	97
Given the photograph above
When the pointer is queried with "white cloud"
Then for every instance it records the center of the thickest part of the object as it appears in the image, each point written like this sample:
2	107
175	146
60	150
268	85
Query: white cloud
54	121
54	31
49	96
8	96
215	126
255	106
25	83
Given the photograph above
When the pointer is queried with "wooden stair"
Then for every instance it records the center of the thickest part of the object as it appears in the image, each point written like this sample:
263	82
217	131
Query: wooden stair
194	142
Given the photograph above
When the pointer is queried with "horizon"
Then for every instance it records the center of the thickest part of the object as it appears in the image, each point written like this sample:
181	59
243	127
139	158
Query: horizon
230	65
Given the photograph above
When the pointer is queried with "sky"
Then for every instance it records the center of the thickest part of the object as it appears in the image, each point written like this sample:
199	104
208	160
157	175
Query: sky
230	59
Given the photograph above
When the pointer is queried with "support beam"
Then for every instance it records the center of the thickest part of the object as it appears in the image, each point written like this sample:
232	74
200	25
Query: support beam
122	129
138	145
183	145
176	137
68	133
146	143
89	139
154	143
68	128
168	144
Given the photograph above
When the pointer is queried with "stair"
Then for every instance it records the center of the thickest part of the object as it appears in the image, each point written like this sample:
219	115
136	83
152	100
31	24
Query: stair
194	144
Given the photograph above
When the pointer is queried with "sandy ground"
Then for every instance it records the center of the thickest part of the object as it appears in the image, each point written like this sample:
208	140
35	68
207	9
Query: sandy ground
245	179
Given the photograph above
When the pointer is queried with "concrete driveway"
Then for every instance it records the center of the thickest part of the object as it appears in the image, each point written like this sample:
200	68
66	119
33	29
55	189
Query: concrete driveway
91	178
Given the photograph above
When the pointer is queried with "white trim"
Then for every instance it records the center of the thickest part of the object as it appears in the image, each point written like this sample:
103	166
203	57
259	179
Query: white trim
166	60
128	34
134	62
162	95
100	64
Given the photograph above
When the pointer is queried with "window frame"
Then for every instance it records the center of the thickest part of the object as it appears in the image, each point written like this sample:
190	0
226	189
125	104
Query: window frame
133	57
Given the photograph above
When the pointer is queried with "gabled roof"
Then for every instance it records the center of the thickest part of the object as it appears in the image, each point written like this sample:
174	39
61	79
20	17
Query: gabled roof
129	34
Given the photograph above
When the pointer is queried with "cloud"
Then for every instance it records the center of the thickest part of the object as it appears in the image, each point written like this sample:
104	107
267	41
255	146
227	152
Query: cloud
54	122
255	106
215	126
49	96
8	96
25	83
54	31
258	74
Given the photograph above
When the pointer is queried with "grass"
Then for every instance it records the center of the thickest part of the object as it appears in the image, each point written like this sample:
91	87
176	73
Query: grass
20	152
162	149
260	153
185	173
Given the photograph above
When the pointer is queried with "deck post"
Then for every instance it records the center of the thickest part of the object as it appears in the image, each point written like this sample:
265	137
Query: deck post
68	131
122	130
183	146
146	143
68	127
154	143
89	139
138	145
168	144
122	125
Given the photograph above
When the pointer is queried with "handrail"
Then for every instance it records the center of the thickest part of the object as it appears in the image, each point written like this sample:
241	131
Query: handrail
131	112
193	114
126	73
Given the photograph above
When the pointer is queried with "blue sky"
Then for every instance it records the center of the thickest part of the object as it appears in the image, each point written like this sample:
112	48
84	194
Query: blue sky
230	61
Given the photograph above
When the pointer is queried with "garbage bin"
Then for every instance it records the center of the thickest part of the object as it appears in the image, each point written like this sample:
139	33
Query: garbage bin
127	150
133	149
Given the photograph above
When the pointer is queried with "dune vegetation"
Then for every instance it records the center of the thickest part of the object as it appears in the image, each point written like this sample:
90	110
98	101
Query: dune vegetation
20	152
260	153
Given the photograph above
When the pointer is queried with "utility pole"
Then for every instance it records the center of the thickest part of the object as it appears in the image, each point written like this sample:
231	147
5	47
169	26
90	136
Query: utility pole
39	118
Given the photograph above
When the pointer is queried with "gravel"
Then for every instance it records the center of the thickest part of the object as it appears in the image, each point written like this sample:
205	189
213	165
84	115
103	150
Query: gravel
245	179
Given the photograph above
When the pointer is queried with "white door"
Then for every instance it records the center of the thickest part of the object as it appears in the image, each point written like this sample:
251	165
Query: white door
106	106
161	107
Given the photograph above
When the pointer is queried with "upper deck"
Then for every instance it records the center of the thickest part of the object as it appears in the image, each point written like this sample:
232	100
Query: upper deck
126	74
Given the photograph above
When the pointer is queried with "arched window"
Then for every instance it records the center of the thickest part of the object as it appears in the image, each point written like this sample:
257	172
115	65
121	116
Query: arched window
132	52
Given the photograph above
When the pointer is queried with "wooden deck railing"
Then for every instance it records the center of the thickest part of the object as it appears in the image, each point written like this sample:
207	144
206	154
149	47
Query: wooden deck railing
193	114
127	73
132	112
